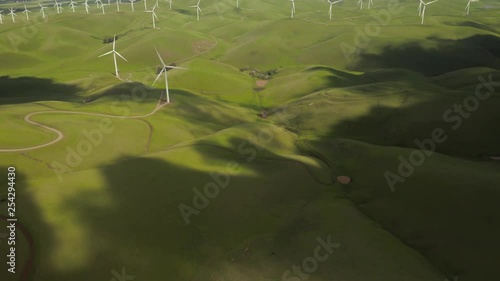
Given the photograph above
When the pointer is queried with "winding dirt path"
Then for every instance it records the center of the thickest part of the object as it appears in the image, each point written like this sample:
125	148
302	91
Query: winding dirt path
60	135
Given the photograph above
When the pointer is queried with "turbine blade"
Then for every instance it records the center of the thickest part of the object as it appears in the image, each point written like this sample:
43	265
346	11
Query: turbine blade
159	74
162	62
121	56
176	67
105	54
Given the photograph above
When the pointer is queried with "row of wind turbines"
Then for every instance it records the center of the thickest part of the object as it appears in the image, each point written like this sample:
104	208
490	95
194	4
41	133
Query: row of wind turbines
163	71
421	8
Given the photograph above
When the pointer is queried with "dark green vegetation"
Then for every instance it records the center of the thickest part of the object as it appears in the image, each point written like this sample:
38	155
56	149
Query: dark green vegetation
329	112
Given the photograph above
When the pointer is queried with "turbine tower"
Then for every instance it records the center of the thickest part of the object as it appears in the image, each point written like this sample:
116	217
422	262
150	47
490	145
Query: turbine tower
26	11
468	6
42	10
198	9
86	4
102	7
117	5
170	2
293	8
360	3
1	17
12	14
423	9
370	2
115	53
330	11
164	70
132	4
153	16
72	5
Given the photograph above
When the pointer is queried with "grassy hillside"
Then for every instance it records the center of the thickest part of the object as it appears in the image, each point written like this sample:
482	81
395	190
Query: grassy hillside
351	96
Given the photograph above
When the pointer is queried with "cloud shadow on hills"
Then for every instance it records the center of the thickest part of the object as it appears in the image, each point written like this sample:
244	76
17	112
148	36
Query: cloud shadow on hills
449	55
31	89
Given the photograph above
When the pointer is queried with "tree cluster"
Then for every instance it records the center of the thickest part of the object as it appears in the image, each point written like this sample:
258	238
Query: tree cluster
263	75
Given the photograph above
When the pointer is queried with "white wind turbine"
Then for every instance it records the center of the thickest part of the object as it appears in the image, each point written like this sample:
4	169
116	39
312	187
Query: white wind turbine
59	7
157	4
145	5
42	10
330	11
72	5
132	4
102	8
170	4
360	3
468	6
86	4
153	16
420	8
117	5
164	71
98	3
1	16
198	9
423	9
12	14
370	2
26	11
293	8
237	4
114	52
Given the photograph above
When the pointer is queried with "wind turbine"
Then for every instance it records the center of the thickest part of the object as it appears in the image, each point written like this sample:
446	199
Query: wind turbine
1	17
164	70
170	4
423	9
102	7
420	8
59	7
145	5
370	2
198	10
468	6
360	3
132	4
86	4
157	4
26	11
293	8
72	5
12	14
42	10
237	4
117	5
114	52
330	12
98	3
153	16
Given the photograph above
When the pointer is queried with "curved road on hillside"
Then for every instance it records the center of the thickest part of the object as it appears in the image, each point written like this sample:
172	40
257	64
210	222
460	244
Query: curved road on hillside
60	134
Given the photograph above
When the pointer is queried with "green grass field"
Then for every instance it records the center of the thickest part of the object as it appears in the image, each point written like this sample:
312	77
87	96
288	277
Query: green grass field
351	96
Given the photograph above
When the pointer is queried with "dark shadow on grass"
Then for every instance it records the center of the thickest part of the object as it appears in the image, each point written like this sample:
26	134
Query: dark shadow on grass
448	55
31	89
